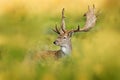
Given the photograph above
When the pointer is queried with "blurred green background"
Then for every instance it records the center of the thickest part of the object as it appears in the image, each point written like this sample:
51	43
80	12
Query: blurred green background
25	27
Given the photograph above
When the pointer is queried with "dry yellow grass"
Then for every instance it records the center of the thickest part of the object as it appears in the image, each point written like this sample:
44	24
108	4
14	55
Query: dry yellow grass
25	28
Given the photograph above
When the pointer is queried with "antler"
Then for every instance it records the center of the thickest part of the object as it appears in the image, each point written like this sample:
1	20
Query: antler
56	29
63	21
90	20
62	30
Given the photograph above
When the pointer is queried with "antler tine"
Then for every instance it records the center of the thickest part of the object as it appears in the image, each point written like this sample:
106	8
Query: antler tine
56	29
76	30
90	20
93	6
63	21
88	8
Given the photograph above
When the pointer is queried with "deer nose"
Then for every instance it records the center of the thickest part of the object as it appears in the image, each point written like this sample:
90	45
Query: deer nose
54	42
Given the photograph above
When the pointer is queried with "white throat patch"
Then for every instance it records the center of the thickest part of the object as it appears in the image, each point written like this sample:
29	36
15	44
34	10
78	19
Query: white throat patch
66	50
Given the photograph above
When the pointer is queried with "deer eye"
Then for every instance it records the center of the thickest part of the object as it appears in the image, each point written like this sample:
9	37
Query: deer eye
64	37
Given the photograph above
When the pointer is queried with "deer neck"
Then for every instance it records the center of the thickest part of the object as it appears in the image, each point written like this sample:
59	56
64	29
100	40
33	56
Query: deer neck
66	49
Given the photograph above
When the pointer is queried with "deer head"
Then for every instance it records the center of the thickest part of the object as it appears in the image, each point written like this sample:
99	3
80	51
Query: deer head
64	35
64	38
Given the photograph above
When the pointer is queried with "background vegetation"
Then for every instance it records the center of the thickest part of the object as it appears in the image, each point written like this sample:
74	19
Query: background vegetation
25	27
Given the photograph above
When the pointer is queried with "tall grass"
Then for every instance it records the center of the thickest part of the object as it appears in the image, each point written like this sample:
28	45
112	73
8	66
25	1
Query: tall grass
95	54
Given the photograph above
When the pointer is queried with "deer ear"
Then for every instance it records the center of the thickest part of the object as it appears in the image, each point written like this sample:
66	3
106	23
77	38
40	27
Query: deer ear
70	34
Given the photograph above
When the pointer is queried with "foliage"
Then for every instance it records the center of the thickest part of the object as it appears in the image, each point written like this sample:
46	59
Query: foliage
95	54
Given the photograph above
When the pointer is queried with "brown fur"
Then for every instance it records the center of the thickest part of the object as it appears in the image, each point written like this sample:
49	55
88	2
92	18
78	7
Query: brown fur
64	38
48	55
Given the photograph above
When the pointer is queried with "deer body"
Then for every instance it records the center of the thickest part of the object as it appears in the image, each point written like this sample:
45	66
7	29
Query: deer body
64	51
64	36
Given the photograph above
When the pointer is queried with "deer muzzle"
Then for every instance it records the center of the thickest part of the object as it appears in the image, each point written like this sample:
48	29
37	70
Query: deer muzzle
56	42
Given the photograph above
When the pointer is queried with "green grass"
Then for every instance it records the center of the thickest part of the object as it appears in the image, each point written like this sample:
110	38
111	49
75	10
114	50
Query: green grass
95	54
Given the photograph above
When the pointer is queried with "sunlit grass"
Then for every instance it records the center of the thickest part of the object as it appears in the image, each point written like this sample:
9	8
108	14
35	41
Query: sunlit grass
95	54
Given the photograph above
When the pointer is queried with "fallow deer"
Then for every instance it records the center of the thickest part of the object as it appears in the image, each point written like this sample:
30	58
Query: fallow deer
64	36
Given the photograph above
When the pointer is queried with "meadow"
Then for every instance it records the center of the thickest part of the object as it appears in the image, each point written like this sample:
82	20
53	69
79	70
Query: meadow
25	31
